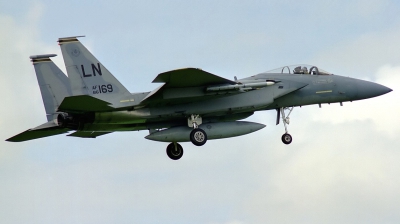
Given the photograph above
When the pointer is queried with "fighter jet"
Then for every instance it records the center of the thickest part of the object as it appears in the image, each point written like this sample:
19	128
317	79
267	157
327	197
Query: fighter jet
190	105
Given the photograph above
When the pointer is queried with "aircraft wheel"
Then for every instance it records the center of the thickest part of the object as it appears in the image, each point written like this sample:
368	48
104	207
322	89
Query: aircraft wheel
198	137
286	138
173	152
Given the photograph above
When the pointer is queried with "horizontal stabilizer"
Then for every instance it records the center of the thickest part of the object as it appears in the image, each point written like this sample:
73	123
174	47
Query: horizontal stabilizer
83	134
83	103
44	130
190	77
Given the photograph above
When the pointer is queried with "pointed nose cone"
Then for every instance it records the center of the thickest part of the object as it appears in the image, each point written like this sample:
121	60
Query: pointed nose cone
369	89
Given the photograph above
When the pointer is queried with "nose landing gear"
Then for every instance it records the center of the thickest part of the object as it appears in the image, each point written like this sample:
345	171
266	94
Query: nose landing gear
286	138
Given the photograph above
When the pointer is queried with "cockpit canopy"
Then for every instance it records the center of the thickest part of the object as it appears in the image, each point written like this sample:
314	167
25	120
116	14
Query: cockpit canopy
300	69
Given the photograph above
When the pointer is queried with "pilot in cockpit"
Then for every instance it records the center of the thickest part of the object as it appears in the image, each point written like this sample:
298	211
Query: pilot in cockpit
305	71
300	70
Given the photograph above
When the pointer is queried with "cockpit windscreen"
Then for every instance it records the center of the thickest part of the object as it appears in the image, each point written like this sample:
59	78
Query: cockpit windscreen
300	69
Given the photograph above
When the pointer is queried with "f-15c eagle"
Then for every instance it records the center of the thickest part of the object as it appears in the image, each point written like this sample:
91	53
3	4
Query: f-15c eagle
191	104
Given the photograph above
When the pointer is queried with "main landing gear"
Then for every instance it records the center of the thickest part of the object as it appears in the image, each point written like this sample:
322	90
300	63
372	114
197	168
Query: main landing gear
174	151
197	136
286	138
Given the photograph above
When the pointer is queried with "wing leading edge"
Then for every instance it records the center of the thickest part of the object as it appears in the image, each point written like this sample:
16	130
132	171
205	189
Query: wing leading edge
189	77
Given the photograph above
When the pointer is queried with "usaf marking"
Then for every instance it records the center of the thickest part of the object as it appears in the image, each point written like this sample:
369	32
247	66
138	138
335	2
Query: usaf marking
102	89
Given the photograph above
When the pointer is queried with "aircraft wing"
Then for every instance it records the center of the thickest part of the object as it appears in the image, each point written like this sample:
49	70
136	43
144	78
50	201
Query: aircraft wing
183	85
44	130
189	77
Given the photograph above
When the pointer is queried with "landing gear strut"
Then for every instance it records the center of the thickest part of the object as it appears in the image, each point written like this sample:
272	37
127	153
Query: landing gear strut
174	151
197	136
286	138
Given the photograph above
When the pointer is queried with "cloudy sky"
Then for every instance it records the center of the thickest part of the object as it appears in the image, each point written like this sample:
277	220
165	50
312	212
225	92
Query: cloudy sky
342	167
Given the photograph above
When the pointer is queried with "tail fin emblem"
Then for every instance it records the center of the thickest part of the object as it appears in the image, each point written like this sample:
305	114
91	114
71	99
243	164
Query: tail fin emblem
75	52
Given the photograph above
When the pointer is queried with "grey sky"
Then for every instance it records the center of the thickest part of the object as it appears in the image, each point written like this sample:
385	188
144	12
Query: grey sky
342	166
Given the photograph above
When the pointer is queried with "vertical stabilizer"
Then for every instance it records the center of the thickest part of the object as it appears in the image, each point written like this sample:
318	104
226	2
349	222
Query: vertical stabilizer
53	83
88	76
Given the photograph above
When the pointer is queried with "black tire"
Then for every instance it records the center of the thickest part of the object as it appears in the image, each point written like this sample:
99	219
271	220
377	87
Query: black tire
174	153
198	137
287	139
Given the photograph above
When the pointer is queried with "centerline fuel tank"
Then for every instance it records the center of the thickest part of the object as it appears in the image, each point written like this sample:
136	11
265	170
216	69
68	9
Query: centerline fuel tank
213	131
